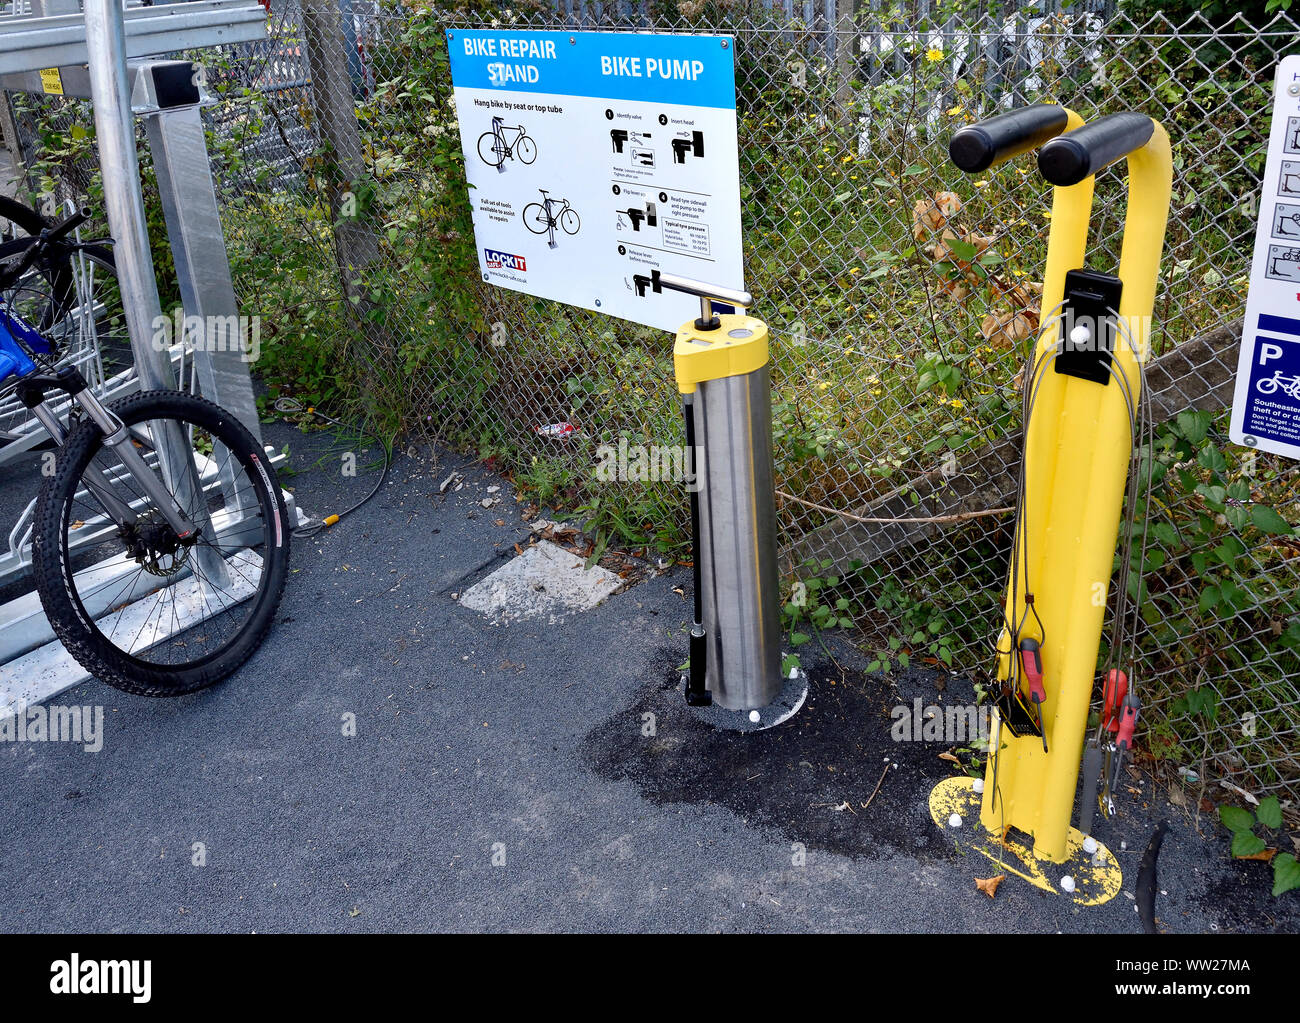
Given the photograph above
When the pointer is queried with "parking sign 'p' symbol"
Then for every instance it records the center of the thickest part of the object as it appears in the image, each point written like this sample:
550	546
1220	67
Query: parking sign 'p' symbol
1268	352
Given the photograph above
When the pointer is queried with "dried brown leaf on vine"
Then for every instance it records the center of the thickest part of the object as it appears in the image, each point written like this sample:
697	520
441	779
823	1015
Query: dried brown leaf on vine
1004	328
989	885
929	215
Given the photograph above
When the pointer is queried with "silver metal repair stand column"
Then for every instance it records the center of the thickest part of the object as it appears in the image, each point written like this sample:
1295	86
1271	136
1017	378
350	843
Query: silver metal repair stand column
189	201
115	133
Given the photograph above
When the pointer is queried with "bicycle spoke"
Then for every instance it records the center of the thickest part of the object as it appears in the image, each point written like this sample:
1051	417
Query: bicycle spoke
186	615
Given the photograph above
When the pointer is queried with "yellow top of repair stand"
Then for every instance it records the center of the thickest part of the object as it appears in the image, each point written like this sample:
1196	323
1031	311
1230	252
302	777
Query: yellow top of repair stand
737	347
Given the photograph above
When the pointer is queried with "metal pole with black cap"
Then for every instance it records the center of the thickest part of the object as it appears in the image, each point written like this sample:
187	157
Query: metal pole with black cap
721	364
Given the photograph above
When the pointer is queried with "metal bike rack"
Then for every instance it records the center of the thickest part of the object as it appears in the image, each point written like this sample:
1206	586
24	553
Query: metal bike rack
105	54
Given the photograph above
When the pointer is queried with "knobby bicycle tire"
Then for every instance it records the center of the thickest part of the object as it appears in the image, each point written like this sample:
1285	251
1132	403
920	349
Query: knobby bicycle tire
52	558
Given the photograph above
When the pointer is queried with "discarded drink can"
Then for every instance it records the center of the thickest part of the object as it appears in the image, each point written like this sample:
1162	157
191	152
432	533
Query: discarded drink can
558	431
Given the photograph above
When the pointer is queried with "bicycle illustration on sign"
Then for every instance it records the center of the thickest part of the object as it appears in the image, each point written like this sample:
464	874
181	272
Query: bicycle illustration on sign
497	146
1283	263
545	216
1279	381
1286	221
1292	143
1289	184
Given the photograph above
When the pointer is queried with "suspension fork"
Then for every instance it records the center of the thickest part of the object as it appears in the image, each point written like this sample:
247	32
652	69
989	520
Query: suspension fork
117	510
118	437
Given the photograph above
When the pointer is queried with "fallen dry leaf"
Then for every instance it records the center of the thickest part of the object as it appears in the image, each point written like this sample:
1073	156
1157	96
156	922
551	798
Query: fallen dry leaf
1264	855
949	757
989	885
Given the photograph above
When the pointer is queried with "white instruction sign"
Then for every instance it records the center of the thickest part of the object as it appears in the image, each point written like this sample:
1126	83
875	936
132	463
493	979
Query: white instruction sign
1266	406
594	158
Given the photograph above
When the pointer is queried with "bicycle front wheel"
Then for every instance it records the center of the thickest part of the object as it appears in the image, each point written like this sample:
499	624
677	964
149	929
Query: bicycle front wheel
535	218
490	150
526	149
137	606
569	221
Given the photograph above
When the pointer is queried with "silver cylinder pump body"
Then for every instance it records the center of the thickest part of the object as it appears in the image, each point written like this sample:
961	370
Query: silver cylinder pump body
737	542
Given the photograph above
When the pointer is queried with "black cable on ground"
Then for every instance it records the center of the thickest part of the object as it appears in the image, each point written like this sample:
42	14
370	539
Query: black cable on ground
1146	881
293	405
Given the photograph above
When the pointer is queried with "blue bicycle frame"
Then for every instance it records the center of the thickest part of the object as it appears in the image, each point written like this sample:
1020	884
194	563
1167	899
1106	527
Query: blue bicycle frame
15	333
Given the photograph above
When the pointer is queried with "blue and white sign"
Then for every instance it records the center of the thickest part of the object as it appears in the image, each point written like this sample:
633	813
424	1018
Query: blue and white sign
594	158
1266	406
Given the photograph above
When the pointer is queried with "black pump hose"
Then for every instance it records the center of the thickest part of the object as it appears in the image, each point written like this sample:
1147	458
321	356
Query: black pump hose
1146	881
697	695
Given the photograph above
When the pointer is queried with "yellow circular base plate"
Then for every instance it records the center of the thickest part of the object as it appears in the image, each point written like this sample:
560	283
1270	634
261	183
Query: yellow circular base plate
1097	877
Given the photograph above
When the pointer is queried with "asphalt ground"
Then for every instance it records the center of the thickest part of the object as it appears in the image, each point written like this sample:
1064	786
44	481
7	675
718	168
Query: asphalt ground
523	777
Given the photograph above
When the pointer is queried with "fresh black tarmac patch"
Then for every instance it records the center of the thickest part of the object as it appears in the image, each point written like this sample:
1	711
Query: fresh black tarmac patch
831	777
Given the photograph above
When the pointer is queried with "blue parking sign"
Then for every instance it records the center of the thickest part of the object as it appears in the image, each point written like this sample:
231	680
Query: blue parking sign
1272	395
1266	404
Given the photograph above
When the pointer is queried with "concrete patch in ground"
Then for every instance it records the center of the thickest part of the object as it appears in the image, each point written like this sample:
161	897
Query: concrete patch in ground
545	581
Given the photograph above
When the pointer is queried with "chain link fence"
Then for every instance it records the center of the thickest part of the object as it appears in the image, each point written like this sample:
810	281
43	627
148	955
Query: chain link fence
901	298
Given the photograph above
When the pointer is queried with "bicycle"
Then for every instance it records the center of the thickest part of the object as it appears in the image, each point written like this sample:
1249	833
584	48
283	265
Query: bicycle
543	217
502	148
1288	256
160	545
71	294
17	220
1290	386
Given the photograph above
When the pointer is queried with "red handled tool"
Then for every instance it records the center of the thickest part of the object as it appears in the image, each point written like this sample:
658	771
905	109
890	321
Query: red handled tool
1031	664
1124	735
1114	690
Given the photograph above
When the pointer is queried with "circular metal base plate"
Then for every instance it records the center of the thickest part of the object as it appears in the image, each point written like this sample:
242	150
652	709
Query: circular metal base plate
787	703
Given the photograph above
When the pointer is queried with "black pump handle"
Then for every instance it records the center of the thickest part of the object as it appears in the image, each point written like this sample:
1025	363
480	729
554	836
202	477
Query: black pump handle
1069	159
977	147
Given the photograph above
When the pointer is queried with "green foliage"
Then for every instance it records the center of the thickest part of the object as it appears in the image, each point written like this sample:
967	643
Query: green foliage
1248	845
817	603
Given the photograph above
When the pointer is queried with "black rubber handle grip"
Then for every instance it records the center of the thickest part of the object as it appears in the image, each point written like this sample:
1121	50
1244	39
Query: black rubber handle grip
1086	151
977	147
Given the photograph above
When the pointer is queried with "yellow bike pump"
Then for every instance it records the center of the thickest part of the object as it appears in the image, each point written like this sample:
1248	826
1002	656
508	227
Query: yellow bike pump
1082	387
721	365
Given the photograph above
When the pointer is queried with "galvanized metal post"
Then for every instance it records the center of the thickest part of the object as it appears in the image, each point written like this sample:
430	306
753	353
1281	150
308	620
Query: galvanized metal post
115	134
189	202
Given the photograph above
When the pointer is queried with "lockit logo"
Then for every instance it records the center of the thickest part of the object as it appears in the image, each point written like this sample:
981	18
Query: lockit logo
505	261
132	977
